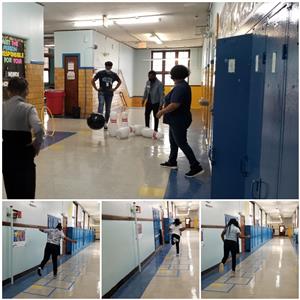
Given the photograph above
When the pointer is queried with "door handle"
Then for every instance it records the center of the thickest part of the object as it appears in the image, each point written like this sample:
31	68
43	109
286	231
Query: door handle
244	166
255	187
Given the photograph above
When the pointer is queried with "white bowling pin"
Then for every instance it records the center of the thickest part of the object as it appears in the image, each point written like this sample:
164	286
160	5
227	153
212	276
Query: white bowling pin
123	132
124	117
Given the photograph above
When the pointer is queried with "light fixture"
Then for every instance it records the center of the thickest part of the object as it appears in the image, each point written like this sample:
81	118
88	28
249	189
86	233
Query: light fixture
154	38
50	45
89	23
137	20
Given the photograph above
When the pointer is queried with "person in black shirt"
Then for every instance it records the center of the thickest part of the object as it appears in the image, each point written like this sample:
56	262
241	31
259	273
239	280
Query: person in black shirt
105	91
177	114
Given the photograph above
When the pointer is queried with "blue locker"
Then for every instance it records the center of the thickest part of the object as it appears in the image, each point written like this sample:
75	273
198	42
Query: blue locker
288	180
237	114
156	227
167	223
255	115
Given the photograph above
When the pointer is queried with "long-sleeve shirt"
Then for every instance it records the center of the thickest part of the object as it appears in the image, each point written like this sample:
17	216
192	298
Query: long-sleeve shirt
18	121
154	92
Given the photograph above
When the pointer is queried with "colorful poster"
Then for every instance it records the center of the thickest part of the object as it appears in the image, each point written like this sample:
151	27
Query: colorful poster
13	59
19	238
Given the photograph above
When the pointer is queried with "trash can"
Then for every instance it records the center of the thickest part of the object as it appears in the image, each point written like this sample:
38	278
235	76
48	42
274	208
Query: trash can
55	101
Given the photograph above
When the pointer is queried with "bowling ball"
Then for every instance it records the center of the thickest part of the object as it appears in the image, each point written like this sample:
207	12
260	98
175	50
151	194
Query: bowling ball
96	121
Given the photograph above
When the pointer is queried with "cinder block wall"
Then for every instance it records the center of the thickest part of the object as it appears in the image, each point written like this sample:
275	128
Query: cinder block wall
34	75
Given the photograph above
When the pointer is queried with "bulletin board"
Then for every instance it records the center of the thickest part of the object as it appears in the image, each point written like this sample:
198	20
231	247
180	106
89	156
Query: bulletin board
13	59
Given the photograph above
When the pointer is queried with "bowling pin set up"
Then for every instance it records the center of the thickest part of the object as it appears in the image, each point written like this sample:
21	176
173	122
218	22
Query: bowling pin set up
125	130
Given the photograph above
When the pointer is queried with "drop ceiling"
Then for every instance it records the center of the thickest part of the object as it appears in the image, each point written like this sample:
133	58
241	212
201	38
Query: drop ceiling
182	24
285	208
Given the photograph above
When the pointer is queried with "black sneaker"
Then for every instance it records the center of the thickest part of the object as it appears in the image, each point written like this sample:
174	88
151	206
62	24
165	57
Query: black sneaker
194	172
169	165
39	271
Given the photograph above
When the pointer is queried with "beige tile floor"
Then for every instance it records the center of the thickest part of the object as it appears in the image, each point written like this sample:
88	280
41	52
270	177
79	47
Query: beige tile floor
270	272
78	277
89	163
178	277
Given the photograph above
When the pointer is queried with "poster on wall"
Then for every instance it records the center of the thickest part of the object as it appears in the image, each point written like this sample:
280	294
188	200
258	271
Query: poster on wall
13	60
19	238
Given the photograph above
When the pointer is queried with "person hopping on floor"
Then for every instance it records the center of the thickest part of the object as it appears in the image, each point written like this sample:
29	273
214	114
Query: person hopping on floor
177	114
176	229
230	237
52	248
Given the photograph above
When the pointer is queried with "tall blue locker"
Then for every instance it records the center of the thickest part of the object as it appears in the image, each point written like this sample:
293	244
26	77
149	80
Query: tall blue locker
288	179
156	227
237	113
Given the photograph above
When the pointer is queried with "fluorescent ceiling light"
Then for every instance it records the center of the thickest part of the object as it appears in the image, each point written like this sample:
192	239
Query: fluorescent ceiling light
88	23
154	38
137	20
50	45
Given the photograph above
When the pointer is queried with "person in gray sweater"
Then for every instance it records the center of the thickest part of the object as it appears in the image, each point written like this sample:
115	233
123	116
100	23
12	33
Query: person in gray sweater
153	96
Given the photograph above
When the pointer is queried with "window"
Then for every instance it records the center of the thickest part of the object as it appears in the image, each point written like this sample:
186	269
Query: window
164	61
48	58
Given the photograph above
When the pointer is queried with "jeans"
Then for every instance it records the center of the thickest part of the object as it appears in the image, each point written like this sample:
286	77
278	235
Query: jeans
54	251
230	246
107	99
178	139
20	183
175	236
151	107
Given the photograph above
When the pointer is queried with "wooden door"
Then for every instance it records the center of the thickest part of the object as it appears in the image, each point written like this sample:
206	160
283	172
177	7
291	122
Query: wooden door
71	83
65	225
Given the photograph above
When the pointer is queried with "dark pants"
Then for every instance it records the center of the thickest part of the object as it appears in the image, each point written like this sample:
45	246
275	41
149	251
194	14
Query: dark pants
154	108
51	250
173	237
178	139
20	183
107	99
230	246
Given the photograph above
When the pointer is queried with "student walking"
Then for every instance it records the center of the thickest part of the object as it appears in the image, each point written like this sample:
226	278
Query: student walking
230	237
52	248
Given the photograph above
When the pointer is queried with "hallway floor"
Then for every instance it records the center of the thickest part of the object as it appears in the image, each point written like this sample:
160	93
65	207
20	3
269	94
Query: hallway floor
78	163
270	272
78	277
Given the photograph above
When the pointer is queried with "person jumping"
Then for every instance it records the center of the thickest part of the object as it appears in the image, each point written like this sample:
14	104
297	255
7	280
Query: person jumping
176	229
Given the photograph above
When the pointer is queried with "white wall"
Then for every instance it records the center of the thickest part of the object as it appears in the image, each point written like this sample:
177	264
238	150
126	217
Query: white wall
25	20
119	248
74	42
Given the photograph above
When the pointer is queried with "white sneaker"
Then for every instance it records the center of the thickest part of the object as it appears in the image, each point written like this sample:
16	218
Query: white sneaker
221	268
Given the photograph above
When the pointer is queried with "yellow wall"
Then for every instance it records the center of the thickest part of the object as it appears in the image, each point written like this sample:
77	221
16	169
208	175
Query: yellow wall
34	75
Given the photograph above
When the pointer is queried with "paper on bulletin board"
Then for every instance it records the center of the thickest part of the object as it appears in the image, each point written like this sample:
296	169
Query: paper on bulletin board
139	230
70	66
19	238
70	75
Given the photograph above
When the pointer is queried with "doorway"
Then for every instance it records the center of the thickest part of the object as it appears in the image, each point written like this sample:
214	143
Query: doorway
65	228
282	230
242	221
71	84
188	223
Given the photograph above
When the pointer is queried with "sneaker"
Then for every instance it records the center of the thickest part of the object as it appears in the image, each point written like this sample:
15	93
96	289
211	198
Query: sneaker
39	271
194	172
105	126
176	240
221	268
169	165
54	275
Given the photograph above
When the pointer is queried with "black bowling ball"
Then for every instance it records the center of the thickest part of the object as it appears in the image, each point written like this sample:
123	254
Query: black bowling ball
96	121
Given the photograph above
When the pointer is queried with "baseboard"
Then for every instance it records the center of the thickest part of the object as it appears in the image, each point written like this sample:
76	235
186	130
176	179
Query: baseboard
124	279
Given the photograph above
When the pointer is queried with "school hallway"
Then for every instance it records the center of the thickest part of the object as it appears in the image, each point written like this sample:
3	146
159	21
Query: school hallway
177	275
89	163
147	266
270	272
77	278
237	59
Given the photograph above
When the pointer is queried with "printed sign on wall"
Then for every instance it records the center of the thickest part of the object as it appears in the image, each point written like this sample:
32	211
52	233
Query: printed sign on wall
19	238
13	63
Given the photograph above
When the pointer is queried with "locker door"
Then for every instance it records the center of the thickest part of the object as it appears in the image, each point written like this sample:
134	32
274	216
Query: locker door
273	106
233	63
288	180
